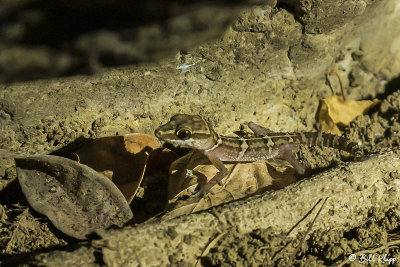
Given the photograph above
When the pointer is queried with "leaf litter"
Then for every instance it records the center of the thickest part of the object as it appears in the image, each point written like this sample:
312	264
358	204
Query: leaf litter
336	112
61	191
93	191
76	199
243	179
388	110
21	232
122	159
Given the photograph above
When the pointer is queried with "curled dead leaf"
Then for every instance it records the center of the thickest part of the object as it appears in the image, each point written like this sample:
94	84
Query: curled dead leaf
335	112
243	179
137	142
160	159
76	199
108	174
122	157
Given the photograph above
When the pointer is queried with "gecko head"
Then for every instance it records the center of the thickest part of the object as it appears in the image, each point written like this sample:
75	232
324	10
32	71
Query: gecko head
189	131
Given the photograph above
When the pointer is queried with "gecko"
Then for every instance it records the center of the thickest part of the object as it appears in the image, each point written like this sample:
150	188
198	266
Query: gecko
192	131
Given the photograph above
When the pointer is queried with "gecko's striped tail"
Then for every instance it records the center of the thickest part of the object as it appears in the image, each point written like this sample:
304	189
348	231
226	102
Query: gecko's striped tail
316	139
307	138
331	140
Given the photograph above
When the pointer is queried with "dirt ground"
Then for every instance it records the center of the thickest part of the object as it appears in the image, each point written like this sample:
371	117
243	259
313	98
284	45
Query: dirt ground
379	131
274	75
25	232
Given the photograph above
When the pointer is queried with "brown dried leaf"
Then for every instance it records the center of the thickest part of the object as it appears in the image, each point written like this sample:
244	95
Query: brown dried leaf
243	179
160	160
335	112
123	156
75	198
180	174
108	174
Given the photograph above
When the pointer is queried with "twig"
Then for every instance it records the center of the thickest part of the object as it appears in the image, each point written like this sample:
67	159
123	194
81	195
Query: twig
307	232
304	217
294	226
340	82
17	227
209	246
77	158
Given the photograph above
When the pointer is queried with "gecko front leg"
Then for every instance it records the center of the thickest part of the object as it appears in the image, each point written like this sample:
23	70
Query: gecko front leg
222	172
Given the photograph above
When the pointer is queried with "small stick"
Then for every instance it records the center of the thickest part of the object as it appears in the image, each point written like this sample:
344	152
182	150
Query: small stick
340	82
77	158
294	226
307	232
209	246
304	217
8	248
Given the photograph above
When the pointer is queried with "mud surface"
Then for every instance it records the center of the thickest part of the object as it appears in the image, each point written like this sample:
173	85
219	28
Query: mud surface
269	67
326	247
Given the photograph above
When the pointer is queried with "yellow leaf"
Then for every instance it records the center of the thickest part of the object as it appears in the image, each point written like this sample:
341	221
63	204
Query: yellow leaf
335	112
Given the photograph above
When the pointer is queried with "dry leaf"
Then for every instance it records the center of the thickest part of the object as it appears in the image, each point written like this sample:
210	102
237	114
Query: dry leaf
76	199
124	157
180	174
243	179
160	160
335	112
108	174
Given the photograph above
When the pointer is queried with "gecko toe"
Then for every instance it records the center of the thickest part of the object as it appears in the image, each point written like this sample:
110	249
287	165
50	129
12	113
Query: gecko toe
301	169
197	194
202	192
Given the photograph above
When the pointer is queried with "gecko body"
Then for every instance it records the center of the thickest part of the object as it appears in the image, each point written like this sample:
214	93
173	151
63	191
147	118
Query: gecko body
192	131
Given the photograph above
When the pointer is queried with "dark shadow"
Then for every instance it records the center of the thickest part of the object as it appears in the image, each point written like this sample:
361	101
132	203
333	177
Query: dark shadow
73	146
180	151
391	87
29	257
81	37
154	199
12	194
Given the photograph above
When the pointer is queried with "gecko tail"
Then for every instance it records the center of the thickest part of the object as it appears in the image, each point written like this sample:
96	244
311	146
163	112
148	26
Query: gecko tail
333	141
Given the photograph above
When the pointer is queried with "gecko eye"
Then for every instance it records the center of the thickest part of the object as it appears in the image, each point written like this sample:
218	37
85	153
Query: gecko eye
183	133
